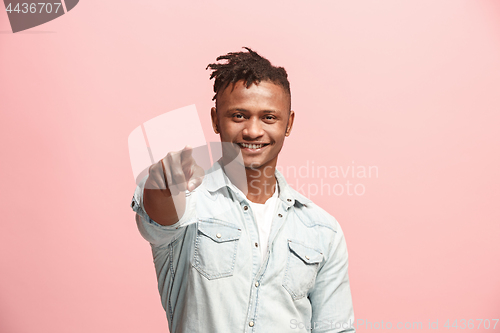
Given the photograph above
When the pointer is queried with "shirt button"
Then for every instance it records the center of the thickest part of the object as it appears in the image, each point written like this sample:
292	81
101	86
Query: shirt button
256	245
288	200
257	283
250	324
280	215
245	208
218	235
307	257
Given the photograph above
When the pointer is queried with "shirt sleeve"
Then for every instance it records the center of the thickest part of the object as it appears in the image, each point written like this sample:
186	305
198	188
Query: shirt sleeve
330	297
154	232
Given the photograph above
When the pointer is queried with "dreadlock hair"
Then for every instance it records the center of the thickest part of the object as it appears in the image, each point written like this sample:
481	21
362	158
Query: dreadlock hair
247	66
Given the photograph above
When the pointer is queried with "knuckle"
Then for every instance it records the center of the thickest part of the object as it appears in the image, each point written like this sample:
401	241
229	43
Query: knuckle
177	174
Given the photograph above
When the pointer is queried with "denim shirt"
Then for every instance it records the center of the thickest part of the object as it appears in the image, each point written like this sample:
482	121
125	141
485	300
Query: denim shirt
211	277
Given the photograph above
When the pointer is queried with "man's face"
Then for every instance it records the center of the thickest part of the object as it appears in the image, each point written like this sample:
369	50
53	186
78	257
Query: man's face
256	119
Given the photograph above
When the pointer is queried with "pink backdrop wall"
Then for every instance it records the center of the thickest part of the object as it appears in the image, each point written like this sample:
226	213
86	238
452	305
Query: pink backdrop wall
410	87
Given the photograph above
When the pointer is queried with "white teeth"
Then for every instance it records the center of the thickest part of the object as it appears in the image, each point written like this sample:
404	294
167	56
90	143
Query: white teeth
251	146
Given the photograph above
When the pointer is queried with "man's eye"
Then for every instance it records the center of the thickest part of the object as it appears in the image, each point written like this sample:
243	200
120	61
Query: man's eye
238	116
270	118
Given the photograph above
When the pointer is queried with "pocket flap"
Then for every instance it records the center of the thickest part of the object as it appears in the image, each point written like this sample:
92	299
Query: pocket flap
218	231
307	254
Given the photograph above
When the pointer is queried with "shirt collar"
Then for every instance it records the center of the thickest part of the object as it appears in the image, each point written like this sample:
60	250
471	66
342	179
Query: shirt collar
216	178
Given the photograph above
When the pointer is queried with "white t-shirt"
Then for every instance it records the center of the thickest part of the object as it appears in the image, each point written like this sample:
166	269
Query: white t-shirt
264	214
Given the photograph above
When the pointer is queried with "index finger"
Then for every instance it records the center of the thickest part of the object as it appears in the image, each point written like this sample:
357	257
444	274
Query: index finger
186	153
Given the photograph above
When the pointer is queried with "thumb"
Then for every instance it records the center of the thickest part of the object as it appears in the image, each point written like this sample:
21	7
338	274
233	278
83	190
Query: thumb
196	179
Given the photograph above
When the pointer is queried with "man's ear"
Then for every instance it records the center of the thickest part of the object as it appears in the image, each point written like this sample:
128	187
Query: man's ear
289	125
215	120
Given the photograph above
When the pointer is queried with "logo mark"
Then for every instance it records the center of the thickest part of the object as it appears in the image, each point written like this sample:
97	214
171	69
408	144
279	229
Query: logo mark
28	14
172	131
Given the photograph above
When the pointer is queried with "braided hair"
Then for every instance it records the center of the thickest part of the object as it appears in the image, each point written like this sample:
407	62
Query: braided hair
247	66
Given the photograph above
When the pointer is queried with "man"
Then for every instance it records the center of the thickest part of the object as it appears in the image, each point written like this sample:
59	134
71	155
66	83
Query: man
237	249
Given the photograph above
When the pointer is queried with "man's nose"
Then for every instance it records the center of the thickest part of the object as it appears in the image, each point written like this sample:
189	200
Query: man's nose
253	129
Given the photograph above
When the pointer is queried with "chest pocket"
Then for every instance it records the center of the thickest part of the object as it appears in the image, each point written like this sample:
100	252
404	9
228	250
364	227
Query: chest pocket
301	268
216	246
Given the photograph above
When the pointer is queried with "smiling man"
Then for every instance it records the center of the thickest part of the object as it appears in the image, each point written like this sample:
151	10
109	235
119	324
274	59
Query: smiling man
237	249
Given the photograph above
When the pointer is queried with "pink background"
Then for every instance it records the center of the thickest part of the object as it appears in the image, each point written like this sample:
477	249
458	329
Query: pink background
411	87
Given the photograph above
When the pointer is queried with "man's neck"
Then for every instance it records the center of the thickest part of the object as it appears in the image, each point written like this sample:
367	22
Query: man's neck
258	184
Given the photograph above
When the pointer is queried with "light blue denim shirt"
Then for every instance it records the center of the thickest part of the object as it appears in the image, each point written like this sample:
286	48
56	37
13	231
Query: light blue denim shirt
211	277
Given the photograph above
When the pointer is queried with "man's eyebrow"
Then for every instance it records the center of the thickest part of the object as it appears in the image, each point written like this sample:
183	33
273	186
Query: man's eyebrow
245	110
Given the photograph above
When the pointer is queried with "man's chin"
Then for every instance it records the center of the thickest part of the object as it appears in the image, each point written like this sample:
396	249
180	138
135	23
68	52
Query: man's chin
254	165
245	162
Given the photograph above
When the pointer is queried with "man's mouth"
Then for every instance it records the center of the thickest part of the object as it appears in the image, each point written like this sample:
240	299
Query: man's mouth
252	145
